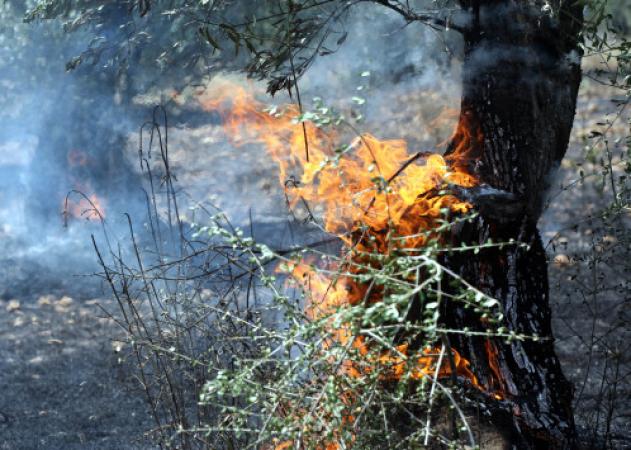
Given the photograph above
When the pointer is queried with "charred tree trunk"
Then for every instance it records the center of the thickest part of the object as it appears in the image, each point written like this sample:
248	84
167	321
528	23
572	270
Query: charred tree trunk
521	76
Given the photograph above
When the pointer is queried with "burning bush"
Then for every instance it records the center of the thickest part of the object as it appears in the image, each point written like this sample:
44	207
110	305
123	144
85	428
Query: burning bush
337	347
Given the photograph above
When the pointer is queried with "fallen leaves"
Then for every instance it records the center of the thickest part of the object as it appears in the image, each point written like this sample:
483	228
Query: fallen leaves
562	261
13	305
45	300
63	304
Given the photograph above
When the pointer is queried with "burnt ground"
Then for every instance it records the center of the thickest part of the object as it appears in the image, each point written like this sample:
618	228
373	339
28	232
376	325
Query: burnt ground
588	243
63	380
64	384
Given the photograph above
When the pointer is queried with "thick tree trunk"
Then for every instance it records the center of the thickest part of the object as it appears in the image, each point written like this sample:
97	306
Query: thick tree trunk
520	82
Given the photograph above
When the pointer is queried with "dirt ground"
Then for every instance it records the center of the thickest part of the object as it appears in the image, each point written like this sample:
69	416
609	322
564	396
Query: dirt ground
590	275
63	384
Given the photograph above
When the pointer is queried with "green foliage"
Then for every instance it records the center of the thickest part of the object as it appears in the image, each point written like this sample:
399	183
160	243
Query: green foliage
271	40
607	42
596	280
280	40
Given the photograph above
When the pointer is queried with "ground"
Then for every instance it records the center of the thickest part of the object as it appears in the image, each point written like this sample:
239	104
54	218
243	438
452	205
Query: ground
63	383
590	281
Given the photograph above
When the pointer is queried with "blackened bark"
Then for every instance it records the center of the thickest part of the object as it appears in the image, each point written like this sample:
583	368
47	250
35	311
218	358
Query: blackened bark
521	76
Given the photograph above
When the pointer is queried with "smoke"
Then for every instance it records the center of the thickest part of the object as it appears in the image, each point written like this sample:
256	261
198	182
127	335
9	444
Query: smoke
48	115
399	54
391	78
405	72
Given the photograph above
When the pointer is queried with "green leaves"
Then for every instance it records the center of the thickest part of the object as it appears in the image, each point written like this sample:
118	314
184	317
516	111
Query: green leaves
205	33
73	63
233	35
358	100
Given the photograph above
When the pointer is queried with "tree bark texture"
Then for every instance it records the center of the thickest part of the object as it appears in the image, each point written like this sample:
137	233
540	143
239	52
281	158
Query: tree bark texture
521	76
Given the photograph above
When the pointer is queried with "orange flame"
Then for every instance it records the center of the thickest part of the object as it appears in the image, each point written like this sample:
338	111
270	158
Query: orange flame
367	193
371	181
324	299
496	380
91	208
80	204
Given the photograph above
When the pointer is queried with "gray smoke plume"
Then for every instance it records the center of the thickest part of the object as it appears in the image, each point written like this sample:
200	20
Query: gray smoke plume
78	130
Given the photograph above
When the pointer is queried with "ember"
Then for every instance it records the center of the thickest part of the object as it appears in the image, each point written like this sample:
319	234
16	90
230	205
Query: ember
87	207
81	202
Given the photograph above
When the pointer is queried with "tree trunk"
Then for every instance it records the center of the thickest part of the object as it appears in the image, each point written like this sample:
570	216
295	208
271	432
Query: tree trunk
521	76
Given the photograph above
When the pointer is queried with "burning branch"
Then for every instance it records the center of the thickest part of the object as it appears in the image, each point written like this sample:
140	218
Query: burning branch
383	204
88	207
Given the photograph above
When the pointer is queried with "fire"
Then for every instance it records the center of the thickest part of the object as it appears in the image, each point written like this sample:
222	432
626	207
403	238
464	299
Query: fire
324	299
91	208
78	203
374	194
496	379
372	182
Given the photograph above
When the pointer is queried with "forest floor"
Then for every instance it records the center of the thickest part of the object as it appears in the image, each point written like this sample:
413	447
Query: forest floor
588	244
63	379
65	384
